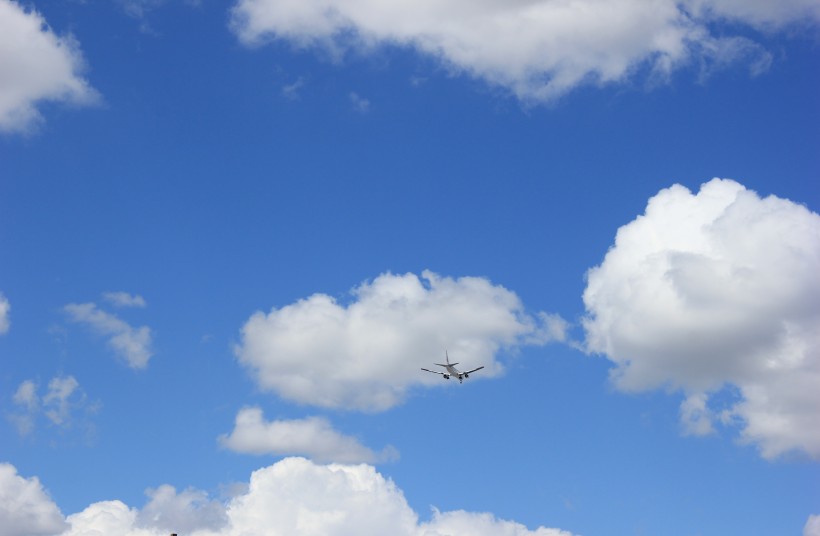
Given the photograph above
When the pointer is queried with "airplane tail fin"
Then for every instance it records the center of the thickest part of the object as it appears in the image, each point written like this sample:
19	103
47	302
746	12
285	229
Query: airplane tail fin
448	361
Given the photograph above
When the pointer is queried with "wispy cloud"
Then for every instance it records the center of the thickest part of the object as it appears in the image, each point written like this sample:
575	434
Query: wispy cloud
124	299
5	309
360	104
695	416
28	405
62	404
291	91
313	438
57	400
130	343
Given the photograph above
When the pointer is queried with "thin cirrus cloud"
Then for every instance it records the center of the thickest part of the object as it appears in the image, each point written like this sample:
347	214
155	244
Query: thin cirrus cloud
312	437
132	344
366	355
292	496
536	50
36	66
716	293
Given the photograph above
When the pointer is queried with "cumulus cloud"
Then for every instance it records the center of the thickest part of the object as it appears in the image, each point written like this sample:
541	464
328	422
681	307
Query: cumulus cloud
717	290
36	65
25	507
130	343
293	496
312	437
106	517
812	527
185	512
367	354
63	400
481	524
5	308
538	50
124	299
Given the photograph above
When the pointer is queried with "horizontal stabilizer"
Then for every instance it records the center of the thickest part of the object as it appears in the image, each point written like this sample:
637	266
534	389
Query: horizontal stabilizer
443	365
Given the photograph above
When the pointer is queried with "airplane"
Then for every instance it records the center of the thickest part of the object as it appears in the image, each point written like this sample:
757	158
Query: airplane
452	370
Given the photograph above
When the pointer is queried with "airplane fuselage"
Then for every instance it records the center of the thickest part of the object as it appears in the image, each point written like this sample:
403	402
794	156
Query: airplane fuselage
453	372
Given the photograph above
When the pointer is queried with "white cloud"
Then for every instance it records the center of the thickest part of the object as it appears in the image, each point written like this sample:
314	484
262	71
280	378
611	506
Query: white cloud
130	343
812	527
140	8
293	91
538	49
182	513
64	399
36	65
26	396
481	524
366	355
57	399
313	437
695	416
124	299
106	517
25	508
759	13
293	496
359	103
711	290
5	308
29	403
297	496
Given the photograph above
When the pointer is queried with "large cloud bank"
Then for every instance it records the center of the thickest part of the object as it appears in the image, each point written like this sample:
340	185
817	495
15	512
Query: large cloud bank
36	65
537	49
366	355
717	293
293	497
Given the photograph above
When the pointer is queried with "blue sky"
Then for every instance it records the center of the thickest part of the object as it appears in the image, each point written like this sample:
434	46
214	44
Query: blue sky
232	233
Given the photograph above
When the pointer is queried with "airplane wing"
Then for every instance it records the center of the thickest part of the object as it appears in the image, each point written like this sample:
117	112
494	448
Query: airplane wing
434	371
475	369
